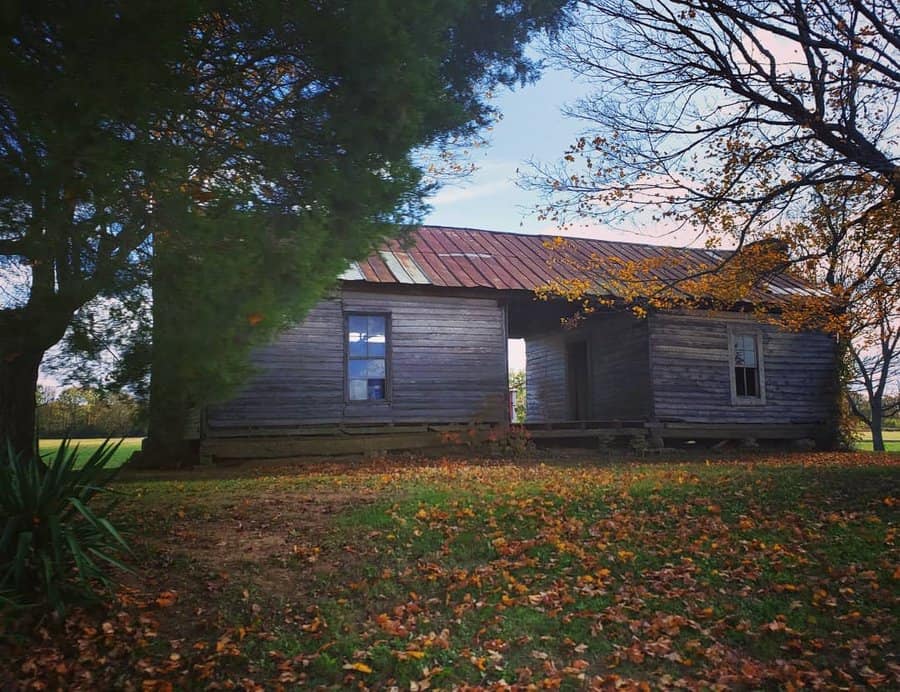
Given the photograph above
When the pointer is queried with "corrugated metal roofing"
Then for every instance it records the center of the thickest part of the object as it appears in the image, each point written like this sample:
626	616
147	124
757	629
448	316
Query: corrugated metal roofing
470	258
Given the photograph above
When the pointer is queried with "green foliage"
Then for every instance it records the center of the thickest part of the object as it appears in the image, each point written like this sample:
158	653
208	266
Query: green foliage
639	444
605	442
55	548
239	153
517	384
890	404
88	412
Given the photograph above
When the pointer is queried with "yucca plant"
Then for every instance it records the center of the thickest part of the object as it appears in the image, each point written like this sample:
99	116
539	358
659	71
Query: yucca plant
55	547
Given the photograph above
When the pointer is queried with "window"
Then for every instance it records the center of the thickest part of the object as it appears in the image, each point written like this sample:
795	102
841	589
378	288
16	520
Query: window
747	381
367	357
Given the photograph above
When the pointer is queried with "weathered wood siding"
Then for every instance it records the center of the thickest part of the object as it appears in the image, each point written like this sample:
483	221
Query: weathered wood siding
299	378
618	349
691	371
448	364
620	358
448	358
546	396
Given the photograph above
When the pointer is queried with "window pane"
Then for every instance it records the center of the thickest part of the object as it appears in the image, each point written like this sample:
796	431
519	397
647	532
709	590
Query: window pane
358	390
376	326
376	347
375	389
749	348
357	368
358	324
750	374
356	336
746	382
363	368
745	351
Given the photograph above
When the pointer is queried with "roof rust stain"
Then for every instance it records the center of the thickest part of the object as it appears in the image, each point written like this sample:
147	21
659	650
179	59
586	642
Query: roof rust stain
471	258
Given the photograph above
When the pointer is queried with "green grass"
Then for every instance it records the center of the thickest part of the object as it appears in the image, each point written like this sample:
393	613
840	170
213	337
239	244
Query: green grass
762	572
891	440
87	446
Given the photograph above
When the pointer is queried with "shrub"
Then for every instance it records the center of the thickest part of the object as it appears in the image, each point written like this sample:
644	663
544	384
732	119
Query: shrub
514	441
55	548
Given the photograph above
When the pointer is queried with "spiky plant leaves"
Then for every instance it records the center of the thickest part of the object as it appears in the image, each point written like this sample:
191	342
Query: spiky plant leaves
57	545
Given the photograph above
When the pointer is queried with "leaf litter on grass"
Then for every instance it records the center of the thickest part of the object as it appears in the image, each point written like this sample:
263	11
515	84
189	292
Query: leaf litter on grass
417	574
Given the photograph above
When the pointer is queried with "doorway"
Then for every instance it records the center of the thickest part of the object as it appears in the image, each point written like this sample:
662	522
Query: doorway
515	352
578	379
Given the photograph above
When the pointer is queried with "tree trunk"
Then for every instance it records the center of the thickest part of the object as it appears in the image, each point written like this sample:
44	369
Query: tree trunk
166	446
875	425
18	386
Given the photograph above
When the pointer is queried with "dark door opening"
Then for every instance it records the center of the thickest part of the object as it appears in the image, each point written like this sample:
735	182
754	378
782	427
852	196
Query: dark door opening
578	378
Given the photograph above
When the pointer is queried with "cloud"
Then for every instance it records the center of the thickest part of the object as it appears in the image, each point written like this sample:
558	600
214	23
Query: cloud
667	232
454	195
489	179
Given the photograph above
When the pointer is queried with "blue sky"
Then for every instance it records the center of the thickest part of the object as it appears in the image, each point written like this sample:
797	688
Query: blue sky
533	127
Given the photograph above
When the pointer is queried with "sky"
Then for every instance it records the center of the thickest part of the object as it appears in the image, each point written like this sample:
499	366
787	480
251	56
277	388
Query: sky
533	128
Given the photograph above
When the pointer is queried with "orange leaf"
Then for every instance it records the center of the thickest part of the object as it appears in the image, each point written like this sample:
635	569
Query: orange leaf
166	599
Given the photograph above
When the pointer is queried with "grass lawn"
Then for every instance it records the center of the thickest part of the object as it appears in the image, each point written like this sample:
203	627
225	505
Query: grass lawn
891	440
765	572
87	446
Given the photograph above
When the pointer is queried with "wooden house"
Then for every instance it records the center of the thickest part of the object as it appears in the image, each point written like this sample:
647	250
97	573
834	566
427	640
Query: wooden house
411	348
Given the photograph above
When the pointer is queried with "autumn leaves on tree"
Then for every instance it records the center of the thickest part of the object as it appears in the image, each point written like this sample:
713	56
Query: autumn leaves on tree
769	128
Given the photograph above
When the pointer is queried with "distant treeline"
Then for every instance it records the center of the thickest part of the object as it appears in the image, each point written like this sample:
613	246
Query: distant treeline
890	404
84	412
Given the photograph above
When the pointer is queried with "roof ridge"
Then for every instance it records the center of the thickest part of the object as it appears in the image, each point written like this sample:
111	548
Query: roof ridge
431	227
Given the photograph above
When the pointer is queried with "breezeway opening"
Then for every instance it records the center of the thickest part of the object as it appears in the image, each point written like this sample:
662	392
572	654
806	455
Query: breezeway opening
516	367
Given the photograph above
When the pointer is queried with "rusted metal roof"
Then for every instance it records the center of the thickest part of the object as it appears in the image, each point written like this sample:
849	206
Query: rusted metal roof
470	258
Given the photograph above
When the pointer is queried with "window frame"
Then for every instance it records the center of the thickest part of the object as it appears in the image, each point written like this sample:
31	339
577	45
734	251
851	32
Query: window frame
388	365
742	400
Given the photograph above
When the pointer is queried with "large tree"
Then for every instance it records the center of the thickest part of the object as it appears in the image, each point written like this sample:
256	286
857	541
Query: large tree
241	150
744	122
867	287
728	115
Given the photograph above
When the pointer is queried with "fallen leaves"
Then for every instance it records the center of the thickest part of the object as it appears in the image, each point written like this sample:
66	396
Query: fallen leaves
166	599
768	573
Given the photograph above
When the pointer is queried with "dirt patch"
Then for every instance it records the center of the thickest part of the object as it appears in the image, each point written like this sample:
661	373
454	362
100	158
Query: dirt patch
243	558
267	530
